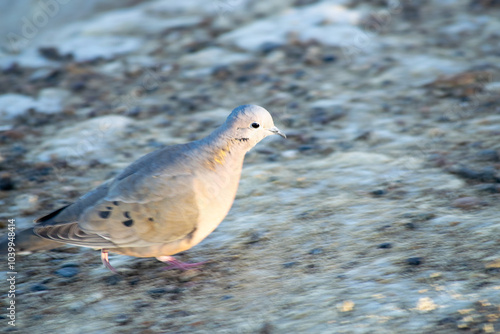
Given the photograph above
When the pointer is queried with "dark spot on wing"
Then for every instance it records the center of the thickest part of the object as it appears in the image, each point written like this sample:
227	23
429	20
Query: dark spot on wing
128	223
126	214
190	234
104	214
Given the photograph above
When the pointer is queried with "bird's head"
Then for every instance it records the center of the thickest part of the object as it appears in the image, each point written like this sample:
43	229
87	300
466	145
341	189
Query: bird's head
250	123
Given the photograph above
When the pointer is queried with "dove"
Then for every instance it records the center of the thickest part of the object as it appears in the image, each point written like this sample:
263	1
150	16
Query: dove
163	203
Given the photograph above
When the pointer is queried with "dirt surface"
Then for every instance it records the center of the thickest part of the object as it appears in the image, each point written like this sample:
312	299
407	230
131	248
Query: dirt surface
379	214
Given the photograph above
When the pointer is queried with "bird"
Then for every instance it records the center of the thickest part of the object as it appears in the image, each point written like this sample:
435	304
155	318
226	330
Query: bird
164	203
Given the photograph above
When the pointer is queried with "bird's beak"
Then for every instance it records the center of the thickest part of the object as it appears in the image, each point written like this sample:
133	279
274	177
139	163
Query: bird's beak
277	131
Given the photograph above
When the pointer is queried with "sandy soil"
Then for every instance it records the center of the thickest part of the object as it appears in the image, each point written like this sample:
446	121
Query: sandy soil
379	214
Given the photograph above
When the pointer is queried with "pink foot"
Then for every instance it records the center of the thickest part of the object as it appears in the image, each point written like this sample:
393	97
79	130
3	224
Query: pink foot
105	260
176	264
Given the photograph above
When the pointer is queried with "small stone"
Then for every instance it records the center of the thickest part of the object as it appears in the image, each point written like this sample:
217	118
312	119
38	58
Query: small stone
489	188
157	292
385	245
6	182
329	58
316	251
27	203
113	280
466	202
487	175
78	86
38	287
414	261
346	306
178	313
378	192
122	319
43	74
67	272
488	155
226	297
188	275
290	264
426	304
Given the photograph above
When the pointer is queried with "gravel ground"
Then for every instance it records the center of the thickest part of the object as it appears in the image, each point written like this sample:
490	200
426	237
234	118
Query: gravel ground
379	214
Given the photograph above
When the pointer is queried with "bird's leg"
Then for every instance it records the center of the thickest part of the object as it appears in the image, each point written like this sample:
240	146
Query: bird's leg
105	260
176	264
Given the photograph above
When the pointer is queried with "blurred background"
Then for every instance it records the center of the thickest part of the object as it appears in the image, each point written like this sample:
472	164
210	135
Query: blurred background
379	214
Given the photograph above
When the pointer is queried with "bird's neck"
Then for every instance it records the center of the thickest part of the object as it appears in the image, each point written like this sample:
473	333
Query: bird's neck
224	150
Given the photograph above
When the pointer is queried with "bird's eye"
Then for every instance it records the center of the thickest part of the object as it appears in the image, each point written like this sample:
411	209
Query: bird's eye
255	125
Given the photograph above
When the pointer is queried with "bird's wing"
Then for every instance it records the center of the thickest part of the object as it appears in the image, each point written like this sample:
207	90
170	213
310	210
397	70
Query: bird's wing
153	201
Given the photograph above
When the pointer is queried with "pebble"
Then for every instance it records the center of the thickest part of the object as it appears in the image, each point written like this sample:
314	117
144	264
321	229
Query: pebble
156	292
67	272
488	155
6	182
316	251
290	264
467	202
38	287
487	175
113	279
159	292
378	192
188	275
414	261
27	203
122	319
385	245
43	74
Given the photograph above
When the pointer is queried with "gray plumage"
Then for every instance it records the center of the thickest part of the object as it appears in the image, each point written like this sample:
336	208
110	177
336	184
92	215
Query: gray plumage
165	202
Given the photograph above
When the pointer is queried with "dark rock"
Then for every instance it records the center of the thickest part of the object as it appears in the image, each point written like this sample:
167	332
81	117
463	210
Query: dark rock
324	116
414	261
139	305
134	281
266	328
385	245
316	251
67	271
489	188
122	319
113	279
378	192
488	155
411	226
156	292
268	47
70	265
44	74
178	314
50	53
487	175
424	216
38	287
467	202
290	264
78	86
6	182
329	58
